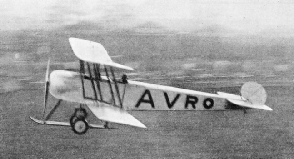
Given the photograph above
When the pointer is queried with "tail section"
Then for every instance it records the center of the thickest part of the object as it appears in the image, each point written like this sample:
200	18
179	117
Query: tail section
253	95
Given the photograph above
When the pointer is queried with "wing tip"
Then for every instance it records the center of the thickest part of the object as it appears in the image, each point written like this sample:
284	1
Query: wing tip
129	68
268	108
263	107
113	114
72	39
142	126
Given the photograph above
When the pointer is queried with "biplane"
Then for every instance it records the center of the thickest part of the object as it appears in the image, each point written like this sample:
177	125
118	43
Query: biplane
110	98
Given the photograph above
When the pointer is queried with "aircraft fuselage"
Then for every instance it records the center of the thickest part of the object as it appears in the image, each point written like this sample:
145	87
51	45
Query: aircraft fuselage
135	95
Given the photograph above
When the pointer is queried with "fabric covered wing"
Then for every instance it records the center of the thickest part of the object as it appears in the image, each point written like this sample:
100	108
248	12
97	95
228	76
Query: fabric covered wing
93	52
113	114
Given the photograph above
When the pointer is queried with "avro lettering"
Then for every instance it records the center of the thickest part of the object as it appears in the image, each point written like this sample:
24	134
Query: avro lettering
142	99
192	100
170	104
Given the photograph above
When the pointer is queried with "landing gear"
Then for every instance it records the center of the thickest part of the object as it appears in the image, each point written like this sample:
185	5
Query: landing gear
80	126
106	125
78	121
245	111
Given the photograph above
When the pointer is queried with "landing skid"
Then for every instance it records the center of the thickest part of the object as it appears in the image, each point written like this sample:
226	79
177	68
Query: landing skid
57	123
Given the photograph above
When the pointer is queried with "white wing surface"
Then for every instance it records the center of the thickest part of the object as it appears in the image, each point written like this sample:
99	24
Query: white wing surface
113	114
93	52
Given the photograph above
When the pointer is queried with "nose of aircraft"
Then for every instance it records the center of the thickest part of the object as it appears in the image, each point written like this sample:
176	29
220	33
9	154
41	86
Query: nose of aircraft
66	85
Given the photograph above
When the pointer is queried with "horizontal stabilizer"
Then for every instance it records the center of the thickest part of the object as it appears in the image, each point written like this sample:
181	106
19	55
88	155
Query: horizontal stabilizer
249	105
93	52
238	100
114	114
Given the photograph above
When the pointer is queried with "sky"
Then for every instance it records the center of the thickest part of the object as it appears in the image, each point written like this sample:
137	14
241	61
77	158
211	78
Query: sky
242	16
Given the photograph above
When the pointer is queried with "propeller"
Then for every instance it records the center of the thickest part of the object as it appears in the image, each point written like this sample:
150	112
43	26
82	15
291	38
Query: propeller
47	83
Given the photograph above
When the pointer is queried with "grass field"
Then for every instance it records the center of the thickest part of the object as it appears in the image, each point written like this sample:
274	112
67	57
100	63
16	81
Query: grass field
170	134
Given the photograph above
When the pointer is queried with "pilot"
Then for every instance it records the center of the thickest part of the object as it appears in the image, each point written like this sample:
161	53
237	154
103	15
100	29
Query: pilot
124	78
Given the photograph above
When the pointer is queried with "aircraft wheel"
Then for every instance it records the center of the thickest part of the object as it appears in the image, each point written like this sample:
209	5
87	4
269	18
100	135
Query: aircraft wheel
80	126
72	120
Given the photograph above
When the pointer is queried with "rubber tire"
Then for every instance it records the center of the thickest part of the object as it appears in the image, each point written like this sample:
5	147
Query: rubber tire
72	120
80	121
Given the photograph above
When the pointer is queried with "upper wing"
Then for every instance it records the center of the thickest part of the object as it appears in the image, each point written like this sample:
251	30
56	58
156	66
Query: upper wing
113	114
238	100
93	52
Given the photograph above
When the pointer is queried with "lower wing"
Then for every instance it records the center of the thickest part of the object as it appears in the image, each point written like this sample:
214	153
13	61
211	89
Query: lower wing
113	114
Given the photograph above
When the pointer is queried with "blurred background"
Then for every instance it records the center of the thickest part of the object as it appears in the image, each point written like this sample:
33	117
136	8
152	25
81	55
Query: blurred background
187	43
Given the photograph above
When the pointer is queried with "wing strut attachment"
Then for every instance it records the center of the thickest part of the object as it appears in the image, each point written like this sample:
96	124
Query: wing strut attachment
98	78
110	87
92	81
116	87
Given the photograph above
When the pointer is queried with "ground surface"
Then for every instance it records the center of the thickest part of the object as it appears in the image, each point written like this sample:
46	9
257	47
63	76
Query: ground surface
170	134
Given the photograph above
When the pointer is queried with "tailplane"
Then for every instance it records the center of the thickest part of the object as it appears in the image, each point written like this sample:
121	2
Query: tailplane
253	95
